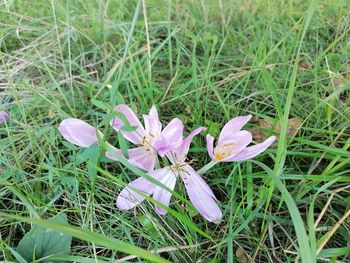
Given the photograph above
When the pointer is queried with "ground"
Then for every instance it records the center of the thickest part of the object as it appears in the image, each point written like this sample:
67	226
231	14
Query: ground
204	62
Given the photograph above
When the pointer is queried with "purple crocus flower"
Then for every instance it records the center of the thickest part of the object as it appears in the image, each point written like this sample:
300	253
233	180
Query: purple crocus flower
4	116
200	194
233	143
82	134
151	139
79	132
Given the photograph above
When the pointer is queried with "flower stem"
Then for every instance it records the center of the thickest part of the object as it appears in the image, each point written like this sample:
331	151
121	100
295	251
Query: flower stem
206	167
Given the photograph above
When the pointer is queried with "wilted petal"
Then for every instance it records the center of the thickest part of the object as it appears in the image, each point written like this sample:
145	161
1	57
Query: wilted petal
162	195
4	116
170	138
253	151
201	196
231	146
117	123
233	126
143	158
128	199
78	132
112	151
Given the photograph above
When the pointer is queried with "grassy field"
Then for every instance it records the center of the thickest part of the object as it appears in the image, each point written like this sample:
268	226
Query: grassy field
204	62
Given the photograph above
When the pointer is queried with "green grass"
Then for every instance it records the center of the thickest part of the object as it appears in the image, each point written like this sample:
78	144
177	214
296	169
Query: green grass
204	62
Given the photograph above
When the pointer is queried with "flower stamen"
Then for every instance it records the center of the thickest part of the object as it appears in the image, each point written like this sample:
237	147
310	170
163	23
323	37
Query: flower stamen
224	151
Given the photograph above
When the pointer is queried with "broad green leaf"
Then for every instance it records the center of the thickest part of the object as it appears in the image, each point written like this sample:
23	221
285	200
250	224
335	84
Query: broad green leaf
90	236
40	242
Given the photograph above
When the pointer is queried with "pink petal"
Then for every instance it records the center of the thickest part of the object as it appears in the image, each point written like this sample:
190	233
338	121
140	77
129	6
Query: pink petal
199	180
142	158
170	138
4	116
153	112
162	195
253	151
78	132
181	152
112	151
153	126
210	145
128	199
201	196
233	126
117	123
231	146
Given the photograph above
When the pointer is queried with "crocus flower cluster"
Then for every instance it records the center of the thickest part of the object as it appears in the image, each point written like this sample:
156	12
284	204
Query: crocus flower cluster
152	140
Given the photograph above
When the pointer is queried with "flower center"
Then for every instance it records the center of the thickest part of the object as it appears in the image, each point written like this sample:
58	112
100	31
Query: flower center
147	142
224	150
178	167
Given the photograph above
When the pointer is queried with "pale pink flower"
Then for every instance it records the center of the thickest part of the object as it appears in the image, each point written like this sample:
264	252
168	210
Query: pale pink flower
150	139
82	134
233	142
200	194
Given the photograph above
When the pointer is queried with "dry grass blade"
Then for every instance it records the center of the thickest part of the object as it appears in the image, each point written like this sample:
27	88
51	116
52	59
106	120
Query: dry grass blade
143	49
341	133
327	204
331	232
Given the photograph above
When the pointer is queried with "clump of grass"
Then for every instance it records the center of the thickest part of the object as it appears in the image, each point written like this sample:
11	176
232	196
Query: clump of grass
204	62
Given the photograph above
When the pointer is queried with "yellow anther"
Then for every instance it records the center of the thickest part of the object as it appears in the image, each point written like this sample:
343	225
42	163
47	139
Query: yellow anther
220	155
223	151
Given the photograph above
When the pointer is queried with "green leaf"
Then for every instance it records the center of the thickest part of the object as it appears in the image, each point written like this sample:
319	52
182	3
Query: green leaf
334	252
123	144
71	184
213	127
17	256
90	236
101	105
119	97
40	242
93	156
144	220
304	249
